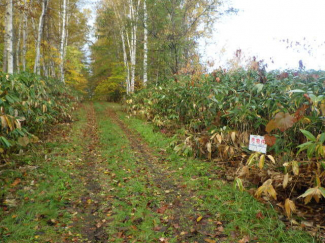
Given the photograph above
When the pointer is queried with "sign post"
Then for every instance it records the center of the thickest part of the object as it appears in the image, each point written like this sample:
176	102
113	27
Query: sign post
257	143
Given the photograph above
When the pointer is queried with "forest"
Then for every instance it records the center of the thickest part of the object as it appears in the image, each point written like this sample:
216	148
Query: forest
118	131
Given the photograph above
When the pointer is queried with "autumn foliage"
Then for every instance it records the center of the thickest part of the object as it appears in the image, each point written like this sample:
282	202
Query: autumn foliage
217	112
29	105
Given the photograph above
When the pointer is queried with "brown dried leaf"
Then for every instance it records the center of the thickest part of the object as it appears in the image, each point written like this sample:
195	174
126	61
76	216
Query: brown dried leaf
16	182
209	241
284	121
244	172
244	240
300	113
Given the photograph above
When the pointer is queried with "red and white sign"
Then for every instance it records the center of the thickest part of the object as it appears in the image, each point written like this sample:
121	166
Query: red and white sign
257	143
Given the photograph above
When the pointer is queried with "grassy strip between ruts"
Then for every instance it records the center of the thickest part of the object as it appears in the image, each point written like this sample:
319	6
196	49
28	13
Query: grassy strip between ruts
241	213
38	189
132	193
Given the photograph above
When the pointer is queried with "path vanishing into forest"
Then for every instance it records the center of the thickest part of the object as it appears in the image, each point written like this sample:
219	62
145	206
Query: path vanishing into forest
109	177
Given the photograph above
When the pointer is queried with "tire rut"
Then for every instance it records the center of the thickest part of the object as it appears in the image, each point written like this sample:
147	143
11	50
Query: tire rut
178	200
89	205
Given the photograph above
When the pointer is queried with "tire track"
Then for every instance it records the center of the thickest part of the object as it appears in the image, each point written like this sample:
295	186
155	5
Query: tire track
178	201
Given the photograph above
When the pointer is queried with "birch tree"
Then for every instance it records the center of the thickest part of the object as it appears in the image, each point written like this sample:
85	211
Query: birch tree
145	43
24	33
8	62
39	36
128	24
134	14
63	40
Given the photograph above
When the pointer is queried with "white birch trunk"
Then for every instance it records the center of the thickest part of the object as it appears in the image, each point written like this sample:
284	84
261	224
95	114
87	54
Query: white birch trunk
133	47
63	40
124	44
126	64
145	44
5	37
9	37
39	37
18	49
24	47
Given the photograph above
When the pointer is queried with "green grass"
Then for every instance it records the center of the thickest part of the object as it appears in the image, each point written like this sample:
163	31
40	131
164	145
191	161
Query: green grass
131	194
42	196
241	213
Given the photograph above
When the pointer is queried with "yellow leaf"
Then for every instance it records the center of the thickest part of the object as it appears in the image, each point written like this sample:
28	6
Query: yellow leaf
10	123
271	191
208	145
271	158
315	192
252	158
259	191
285	180
261	163
18	124
4	123
233	136
295	167
308	199
317	181
266	188
219	138
289	207
209	241
199	219
316	197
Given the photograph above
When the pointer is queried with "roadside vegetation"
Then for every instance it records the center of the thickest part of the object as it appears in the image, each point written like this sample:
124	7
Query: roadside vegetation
211	116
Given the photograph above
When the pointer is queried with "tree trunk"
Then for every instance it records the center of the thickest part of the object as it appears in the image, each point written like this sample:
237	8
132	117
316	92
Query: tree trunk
126	63
9	62
145	44
133	47
63	40
39	37
5	59
18	49
24	48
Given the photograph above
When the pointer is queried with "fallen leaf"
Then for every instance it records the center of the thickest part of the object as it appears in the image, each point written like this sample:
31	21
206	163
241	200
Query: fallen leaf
209	241
220	229
245	239
16	182
307	224
259	215
199	219
162	209
285	180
